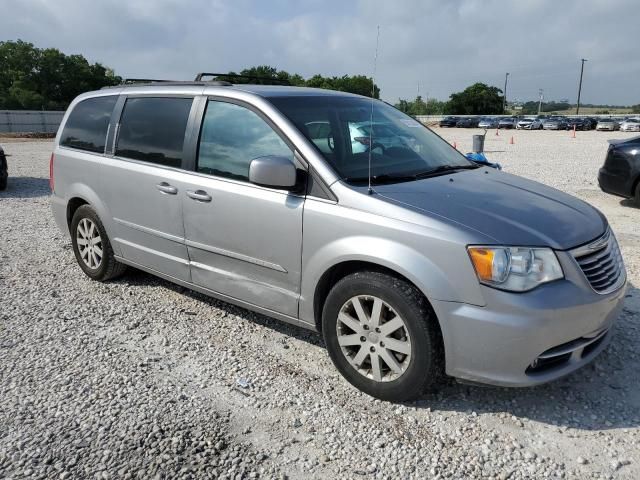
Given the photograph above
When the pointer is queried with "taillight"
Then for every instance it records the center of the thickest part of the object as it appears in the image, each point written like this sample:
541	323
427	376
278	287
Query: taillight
51	182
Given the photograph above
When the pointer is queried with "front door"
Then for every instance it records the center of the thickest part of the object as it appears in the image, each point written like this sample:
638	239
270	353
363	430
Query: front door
244	241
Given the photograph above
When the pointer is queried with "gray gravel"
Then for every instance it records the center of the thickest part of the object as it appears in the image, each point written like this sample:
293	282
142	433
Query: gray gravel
139	378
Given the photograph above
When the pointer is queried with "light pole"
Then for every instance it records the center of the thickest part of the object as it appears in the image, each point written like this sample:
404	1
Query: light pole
504	98
580	87
540	102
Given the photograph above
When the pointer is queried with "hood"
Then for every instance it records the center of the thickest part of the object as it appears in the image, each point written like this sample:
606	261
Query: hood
510	210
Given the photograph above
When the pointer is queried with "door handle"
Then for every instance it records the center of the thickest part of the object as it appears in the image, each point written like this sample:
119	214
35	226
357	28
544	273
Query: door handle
199	195
164	187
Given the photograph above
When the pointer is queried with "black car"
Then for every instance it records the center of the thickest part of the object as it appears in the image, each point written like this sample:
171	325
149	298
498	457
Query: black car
593	122
4	171
579	123
620	174
448	122
468	122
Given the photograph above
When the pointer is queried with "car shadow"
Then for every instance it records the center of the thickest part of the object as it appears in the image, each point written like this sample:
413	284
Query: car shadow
603	395
26	187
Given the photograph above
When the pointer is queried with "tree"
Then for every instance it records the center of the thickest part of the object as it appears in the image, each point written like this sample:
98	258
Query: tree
635	108
420	106
358	84
34	78
478	99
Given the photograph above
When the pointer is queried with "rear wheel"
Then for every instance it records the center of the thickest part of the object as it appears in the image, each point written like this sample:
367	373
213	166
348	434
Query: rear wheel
92	247
382	335
3	183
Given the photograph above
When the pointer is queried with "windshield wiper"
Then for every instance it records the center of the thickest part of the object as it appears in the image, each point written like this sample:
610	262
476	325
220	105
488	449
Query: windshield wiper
393	178
442	169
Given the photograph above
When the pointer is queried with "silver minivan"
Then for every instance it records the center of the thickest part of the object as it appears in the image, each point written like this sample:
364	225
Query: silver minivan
411	260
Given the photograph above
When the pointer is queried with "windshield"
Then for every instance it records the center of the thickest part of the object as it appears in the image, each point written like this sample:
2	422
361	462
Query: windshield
340	128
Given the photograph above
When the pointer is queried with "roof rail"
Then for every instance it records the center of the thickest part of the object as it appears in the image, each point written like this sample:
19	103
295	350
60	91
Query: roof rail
129	81
268	80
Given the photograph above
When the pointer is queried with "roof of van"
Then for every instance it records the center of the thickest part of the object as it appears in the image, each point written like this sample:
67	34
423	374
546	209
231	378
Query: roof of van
261	90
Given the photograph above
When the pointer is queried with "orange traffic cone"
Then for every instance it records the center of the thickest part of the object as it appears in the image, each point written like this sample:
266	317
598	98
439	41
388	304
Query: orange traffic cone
574	132
511	142
497	132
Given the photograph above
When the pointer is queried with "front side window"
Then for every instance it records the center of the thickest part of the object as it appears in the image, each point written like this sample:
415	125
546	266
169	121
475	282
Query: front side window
86	127
152	129
341	127
231	137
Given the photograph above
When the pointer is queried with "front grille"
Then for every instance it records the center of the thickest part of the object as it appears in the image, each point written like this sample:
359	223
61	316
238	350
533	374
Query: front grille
601	262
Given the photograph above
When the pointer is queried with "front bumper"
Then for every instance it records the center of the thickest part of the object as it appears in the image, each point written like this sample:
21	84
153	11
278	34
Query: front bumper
502	342
614	184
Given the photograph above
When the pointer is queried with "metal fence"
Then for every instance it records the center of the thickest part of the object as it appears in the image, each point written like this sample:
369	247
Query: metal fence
29	121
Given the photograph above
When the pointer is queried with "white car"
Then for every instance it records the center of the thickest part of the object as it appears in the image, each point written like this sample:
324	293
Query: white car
608	124
529	124
630	125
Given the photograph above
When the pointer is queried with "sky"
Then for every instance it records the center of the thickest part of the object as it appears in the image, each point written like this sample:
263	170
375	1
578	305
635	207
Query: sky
434	47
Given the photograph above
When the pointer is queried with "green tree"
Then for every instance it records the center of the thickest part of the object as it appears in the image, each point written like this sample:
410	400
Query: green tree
34	78
635	108
358	84
478	99
420	106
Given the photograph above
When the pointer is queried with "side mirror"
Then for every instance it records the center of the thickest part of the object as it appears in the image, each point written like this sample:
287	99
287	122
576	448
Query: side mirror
273	171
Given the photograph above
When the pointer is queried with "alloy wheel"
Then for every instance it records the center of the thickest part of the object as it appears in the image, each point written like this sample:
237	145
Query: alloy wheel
89	243
373	338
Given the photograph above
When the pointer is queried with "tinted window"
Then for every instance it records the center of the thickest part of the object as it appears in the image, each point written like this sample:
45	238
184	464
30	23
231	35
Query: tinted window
231	137
152	129
86	127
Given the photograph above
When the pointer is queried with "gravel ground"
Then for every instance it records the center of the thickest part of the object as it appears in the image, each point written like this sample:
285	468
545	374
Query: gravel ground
139	378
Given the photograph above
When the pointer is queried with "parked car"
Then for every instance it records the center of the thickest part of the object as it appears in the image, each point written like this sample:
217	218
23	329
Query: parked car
620	174
448	122
468	122
593	122
579	124
555	123
529	124
509	122
488	122
608	124
4	170
630	125
411	260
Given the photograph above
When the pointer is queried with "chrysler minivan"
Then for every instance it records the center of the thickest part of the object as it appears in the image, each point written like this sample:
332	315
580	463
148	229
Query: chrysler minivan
412	261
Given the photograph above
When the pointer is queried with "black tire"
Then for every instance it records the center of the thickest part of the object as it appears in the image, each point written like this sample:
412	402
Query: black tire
108	267
638	195
426	364
3	183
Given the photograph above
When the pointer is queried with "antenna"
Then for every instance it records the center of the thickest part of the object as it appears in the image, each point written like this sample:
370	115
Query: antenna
373	92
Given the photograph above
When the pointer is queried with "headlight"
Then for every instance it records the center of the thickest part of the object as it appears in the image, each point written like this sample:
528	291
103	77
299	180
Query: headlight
517	269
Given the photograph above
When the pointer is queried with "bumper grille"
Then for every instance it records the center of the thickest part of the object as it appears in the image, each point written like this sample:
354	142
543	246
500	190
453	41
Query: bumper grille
601	262
560	356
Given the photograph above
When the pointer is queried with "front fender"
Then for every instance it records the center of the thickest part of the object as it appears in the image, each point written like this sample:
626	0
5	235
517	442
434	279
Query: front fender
431	278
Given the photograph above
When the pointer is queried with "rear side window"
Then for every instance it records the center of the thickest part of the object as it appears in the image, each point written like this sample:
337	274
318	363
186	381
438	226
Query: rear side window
152	129
231	137
86	127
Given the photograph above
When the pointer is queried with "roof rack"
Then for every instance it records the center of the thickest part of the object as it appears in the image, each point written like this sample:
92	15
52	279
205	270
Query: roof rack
129	81
268	80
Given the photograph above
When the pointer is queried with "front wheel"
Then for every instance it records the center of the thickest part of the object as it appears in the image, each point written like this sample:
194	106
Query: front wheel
92	247
382	335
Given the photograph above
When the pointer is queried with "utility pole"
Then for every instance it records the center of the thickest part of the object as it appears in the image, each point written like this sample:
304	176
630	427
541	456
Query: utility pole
504	98
541	91
580	87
